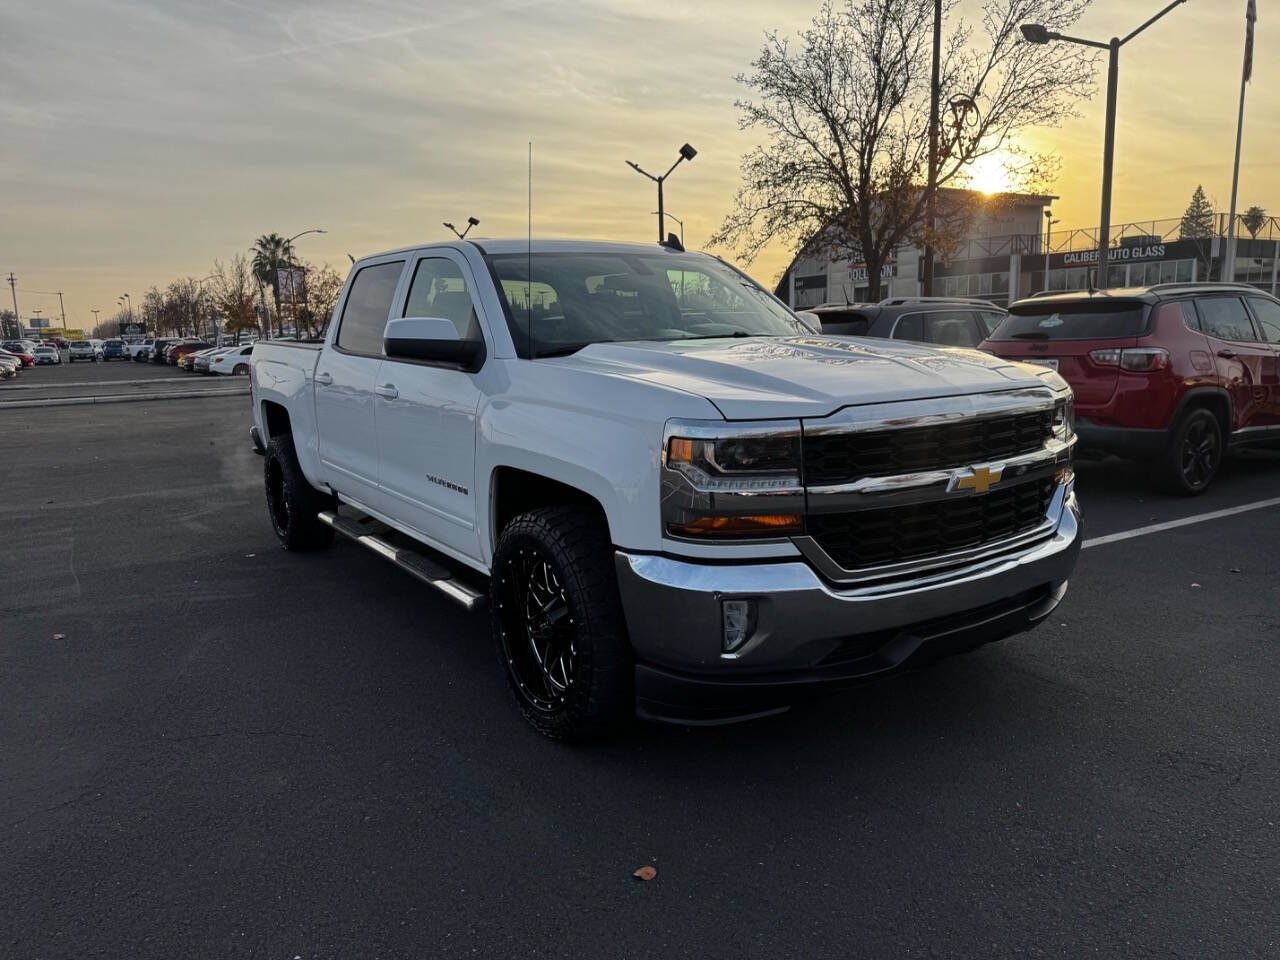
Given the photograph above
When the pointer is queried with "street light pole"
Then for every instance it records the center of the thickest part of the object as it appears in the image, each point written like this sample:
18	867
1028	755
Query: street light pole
686	153
1048	243
678	221
1038	33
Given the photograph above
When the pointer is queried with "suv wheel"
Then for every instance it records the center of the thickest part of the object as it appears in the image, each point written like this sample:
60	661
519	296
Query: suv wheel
1195	454
292	503
557	624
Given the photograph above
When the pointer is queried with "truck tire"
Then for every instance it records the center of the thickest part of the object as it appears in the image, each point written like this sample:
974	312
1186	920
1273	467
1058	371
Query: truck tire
292	503
558	625
1195	453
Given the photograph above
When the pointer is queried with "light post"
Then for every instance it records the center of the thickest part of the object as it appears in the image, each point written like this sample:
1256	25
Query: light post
128	306
1037	33
288	246
95	319
1049	221
686	153
471	222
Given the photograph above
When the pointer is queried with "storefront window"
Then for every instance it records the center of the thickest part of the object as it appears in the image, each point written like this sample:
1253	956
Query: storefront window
1184	271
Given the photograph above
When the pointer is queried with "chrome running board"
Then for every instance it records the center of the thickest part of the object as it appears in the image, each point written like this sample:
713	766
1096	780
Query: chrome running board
416	560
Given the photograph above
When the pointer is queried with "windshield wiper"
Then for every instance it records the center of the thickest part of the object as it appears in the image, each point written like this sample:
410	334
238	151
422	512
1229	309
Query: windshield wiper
729	336
1031	335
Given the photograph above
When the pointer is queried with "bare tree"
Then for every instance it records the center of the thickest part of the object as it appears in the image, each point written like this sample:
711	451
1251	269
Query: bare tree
845	112
234	294
321	295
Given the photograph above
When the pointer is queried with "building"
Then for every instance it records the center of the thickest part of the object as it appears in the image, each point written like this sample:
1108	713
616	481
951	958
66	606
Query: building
1005	256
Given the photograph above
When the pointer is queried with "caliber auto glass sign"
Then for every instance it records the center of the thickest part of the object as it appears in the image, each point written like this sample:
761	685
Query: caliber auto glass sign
1153	251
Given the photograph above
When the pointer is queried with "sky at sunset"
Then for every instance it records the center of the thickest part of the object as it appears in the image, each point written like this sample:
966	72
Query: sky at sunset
141	140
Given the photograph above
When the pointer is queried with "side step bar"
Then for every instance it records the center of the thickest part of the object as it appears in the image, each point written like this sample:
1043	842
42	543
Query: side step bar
414	561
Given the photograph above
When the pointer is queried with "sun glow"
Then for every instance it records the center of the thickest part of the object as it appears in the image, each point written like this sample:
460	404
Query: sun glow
989	174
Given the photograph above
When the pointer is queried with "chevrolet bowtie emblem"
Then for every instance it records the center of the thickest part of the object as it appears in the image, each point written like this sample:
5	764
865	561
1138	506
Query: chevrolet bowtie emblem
978	479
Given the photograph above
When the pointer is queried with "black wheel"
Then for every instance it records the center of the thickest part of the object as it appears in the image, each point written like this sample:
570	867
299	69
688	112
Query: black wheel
1194	456
558	625
241	369
292	503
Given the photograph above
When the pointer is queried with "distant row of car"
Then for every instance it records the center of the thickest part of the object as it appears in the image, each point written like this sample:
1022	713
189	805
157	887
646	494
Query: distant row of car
193	355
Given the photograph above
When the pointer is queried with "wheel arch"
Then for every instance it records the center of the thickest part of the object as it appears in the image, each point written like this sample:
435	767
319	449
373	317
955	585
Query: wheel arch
1214	399
513	491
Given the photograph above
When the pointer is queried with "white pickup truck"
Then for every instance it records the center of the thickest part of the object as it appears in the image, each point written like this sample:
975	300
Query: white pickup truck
675	498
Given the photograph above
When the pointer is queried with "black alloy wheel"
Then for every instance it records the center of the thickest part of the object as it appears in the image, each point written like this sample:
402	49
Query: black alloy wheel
536	629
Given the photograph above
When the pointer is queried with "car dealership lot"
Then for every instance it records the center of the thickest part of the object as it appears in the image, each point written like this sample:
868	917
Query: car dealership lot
212	747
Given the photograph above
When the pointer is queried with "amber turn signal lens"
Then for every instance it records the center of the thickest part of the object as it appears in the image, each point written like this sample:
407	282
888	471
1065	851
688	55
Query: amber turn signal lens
763	524
680	451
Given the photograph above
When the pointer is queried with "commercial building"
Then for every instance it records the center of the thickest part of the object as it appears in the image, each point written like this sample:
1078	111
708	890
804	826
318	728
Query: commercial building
1007	254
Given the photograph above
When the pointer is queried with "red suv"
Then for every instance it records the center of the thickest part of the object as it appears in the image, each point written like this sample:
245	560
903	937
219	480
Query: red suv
1174	373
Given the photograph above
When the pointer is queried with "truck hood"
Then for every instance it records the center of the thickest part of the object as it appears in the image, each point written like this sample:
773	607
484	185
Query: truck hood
759	378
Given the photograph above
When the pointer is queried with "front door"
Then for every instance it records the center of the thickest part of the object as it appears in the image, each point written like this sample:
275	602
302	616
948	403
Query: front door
426	416
344	382
1266	314
1243	361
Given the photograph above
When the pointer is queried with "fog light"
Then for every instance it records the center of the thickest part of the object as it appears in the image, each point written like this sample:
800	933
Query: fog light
739	618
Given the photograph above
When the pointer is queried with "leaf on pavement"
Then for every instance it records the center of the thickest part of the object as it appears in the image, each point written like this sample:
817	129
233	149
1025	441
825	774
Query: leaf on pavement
645	873
59	636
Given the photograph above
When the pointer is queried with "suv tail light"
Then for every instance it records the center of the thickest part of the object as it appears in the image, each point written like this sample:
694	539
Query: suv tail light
1133	359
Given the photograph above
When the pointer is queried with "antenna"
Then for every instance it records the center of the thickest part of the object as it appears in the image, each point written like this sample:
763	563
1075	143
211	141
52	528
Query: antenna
528	278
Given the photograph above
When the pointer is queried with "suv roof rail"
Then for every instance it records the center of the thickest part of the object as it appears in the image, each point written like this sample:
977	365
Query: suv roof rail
971	301
1203	285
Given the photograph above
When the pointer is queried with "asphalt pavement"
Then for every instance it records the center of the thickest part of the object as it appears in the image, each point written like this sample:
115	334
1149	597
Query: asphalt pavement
211	747
110	378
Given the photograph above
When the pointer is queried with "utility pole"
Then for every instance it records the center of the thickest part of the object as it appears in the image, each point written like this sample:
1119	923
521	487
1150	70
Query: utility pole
935	93
95	319
1227	272
13	288
62	308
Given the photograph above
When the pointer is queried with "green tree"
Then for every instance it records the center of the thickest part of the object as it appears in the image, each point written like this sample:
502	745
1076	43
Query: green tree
1254	219
1197	221
271	252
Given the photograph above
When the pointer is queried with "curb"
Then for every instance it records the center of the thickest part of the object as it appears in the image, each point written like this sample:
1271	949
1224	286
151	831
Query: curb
121	398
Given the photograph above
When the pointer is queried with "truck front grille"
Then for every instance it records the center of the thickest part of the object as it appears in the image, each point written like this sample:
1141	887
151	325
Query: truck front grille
847	457
870	538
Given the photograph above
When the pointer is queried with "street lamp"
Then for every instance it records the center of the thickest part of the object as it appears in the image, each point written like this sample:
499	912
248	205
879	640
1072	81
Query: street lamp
677	220
686	153
1049	221
471	222
95	318
1036	33
128	305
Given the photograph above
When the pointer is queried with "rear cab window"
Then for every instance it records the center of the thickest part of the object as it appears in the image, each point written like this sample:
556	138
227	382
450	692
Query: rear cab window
849	323
1083	320
943	328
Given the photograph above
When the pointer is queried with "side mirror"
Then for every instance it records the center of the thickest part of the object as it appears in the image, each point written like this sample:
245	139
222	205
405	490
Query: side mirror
432	340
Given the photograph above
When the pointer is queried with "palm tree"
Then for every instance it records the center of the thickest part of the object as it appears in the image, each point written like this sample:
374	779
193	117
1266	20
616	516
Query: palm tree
271	252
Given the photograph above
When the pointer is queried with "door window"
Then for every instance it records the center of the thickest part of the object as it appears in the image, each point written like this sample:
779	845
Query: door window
1267	313
439	290
1225	318
368	307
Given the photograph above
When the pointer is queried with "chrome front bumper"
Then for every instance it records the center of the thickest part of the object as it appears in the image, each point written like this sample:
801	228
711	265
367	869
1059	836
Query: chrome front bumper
673	611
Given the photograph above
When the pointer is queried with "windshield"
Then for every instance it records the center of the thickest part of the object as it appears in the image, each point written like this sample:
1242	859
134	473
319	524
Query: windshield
1073	321
576	299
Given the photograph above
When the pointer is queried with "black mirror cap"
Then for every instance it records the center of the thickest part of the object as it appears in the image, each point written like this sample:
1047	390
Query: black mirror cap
465	355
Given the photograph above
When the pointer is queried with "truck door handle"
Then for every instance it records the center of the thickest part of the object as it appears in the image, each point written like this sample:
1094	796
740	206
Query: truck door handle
1227	354
324	379
387	390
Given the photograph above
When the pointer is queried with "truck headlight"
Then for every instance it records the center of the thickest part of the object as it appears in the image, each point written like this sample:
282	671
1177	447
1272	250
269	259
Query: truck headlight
732	481
1064	418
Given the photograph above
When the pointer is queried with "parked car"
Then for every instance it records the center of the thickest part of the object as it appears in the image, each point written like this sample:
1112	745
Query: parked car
177	351
19	349
83	350
113	350
205	357
1176	374
234	362
943	321
158	347
45	353
132	348
694	511
10	365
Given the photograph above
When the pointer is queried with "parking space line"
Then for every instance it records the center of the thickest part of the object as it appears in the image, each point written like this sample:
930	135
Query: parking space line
1184	522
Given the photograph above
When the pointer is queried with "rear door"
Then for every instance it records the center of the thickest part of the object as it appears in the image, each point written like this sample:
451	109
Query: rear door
1243	361
1266	316
1063	335
344	381
426	414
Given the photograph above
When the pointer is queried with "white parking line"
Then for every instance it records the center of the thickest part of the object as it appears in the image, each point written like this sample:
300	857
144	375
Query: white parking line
1184	522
